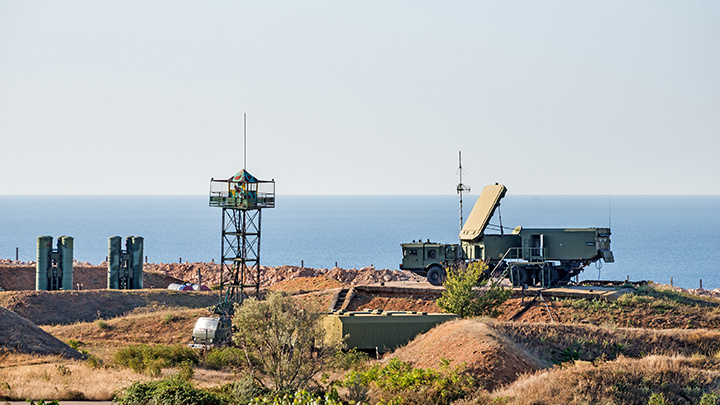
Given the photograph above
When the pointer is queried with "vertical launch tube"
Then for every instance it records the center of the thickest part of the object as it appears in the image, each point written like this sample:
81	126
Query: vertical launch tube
137	255
44	247
114	249
65	246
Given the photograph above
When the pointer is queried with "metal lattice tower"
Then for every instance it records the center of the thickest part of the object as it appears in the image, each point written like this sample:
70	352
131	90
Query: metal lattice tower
242	198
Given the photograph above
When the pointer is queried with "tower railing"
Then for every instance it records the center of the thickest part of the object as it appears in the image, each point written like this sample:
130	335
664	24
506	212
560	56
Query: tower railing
242	195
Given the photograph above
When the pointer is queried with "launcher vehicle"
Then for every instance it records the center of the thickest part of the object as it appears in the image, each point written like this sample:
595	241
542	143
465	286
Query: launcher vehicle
528	256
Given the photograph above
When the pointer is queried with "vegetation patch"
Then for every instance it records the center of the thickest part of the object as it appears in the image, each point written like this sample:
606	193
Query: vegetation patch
173	390
224	357
152	359
461	298
557	343
650	306
284	341
660	379
397	382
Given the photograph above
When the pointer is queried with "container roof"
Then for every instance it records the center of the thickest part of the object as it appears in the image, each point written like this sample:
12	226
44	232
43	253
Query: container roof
243	177
482	212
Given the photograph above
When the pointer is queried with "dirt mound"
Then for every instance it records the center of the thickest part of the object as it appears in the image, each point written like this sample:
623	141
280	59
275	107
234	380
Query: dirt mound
494	360
18	334
306	284
20	276
210	273
64	307
393	301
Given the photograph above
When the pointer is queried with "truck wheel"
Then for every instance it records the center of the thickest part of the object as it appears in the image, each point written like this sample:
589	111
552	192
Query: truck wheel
436	275
520	276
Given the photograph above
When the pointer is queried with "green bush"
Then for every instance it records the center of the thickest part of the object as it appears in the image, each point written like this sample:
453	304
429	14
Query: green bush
169	391
460	298
710	398
224	357
299	398
152	359
284	339
170	318
398	382
240	392
346	360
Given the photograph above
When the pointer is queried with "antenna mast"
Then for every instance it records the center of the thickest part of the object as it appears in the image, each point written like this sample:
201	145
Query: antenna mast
461	188
244	141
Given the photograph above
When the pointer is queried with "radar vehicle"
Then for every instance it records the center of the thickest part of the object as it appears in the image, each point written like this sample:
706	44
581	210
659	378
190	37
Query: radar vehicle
527	256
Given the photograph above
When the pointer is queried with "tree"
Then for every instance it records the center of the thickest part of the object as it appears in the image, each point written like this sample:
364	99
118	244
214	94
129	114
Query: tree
460	298
283	339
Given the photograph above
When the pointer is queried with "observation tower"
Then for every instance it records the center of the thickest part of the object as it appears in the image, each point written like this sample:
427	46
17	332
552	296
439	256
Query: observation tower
242	198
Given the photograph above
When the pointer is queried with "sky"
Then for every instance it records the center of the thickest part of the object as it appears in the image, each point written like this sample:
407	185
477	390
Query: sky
363	97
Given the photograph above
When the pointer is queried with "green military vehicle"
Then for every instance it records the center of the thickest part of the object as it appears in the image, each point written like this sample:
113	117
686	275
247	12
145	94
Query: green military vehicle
528	256
430	259
211	332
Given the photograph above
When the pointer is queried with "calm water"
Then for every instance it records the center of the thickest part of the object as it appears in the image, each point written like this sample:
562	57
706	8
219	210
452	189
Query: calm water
654	237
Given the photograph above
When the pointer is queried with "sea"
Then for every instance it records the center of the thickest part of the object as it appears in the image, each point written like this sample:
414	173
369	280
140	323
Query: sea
654	237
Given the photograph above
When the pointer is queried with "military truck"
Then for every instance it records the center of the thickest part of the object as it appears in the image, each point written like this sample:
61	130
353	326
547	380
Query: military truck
211	331
528	256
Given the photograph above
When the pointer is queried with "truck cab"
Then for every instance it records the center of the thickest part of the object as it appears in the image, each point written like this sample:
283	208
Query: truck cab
429	259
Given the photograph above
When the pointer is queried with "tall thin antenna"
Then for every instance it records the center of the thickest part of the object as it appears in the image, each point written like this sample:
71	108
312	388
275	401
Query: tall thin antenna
244	141
461	188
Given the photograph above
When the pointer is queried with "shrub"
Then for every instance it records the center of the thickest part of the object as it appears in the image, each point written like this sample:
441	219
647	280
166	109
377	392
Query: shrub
242	391
398	382
284	340
710	398
93	361
169	391
152	359
299	398
346	360
657	399
223	357
102	324
170	318
460	298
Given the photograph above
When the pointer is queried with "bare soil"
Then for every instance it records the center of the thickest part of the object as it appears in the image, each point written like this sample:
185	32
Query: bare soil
473	346
65	307
19	335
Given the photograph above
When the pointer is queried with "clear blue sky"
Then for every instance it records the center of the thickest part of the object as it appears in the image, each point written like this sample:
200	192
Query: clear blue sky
364	97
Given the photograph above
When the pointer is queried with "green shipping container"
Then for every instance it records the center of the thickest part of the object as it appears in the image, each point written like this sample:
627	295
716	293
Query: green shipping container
380	330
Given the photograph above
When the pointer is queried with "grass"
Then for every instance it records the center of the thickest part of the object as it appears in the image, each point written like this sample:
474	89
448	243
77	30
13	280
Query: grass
600	362
49	377
651	306
622	381
558	343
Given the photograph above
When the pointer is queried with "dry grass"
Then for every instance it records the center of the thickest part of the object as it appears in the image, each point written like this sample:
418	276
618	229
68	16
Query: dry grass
27	377
623	381
58	378
557	343
165	325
